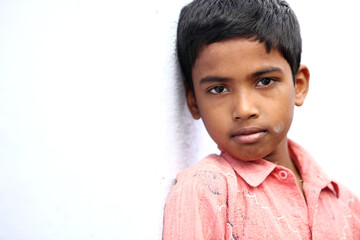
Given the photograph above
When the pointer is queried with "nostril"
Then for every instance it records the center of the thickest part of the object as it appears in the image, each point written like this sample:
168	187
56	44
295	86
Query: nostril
237	116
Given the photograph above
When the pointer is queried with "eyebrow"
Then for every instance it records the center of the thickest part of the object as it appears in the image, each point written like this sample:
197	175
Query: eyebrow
265	71
213	79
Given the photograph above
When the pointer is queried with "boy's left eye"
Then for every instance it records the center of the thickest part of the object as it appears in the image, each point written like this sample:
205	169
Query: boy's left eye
265	82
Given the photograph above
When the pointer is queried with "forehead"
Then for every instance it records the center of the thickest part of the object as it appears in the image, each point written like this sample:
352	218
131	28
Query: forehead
238	57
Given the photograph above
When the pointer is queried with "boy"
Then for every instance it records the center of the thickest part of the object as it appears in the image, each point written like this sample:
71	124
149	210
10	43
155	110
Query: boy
241	62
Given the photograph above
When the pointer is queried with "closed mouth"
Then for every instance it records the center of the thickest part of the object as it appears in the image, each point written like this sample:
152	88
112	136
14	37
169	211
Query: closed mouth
249	135
248	131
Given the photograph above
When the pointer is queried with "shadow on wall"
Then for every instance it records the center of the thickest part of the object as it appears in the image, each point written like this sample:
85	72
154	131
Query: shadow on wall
186	140
184	130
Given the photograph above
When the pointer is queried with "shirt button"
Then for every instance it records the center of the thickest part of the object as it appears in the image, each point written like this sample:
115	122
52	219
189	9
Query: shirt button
283	174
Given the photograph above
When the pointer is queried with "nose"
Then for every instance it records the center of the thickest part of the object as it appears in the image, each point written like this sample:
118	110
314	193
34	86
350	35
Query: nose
245	106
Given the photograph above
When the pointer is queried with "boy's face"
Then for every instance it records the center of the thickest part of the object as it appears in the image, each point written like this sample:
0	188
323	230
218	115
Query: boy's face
245	97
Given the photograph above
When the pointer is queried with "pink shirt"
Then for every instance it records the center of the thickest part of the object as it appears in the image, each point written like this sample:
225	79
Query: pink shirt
224	198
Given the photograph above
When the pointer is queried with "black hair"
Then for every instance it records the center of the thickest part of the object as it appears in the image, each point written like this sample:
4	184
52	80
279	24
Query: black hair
203	22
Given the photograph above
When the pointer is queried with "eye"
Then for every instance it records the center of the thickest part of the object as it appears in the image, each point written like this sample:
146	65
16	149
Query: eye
218	90
265	82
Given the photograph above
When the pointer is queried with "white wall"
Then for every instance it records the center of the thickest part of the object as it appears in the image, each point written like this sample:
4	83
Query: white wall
93	124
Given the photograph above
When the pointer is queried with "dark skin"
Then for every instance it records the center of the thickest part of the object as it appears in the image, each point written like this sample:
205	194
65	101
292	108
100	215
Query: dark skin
246	97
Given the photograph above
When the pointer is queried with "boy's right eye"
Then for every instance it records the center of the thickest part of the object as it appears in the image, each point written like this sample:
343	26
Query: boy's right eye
218	90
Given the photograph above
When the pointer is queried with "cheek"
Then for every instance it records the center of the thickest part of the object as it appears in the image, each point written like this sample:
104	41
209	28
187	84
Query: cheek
212	111
279	127
215	121
283	115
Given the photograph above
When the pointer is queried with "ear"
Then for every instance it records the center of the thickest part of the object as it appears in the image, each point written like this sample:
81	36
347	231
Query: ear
301	85
191	102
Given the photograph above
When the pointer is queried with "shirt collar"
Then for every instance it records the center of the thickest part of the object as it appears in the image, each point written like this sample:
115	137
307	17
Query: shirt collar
255	172
309	170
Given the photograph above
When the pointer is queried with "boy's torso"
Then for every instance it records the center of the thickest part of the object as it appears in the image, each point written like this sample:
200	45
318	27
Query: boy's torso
223	198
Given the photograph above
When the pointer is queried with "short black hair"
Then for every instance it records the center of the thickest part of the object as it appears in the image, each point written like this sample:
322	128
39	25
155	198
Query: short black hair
203	22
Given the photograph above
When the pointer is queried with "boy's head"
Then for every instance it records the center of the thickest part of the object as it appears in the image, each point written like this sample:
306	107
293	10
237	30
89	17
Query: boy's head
241	60
203	22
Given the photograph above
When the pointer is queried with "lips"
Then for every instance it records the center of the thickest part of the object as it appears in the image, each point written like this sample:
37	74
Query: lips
249	135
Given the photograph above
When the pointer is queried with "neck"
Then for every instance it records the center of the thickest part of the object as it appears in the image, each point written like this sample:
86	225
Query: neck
281	155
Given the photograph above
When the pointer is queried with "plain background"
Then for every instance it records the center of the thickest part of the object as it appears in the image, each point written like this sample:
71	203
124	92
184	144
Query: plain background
93	123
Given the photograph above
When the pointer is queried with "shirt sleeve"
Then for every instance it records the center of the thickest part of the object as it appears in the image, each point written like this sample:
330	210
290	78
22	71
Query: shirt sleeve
354	205
196	208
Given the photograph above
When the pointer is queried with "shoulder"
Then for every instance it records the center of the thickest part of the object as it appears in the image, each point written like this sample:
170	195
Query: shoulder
349	199
206	179
350	206
211	163
211	169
